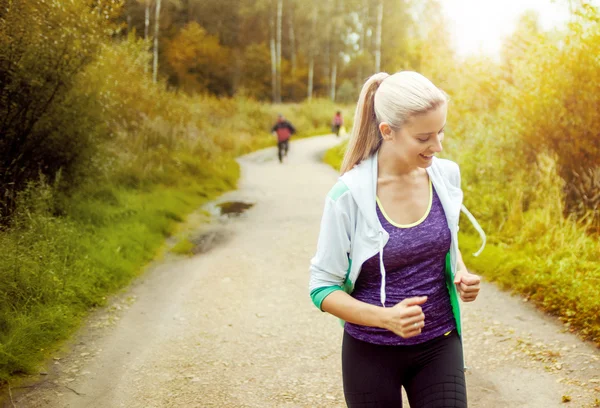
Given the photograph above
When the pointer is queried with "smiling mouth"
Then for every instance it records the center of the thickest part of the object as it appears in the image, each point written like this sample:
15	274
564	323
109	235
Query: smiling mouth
426	157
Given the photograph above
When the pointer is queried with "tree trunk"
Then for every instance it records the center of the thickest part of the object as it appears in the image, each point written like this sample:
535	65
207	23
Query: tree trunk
333	79
362	43
378	38
279	18
312	52
329	39
146	29
311	70
128	13
273	60
336	22
156	32
292	51
147	21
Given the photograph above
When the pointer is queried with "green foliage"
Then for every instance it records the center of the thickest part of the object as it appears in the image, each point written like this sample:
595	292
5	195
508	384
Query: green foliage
183	247
256	77
335	155
199	62
47	125
522	123
563	282
54	269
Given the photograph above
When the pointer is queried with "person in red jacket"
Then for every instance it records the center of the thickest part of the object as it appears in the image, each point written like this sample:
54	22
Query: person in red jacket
337	123
283	130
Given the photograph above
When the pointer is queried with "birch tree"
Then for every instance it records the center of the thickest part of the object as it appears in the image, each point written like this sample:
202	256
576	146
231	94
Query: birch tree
147	20
279	28
272	48
378	37
312	52
156	32
292	39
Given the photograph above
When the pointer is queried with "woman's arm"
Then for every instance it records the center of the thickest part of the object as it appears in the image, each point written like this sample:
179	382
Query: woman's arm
406	319
467	283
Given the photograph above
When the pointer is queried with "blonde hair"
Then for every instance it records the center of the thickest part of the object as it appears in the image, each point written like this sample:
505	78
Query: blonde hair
394	99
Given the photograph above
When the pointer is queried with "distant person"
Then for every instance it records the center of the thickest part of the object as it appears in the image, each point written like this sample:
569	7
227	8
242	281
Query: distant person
387	260
283	130
337	123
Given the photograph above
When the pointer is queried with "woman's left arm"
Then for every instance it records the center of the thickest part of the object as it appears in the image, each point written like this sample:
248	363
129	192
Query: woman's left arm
466	283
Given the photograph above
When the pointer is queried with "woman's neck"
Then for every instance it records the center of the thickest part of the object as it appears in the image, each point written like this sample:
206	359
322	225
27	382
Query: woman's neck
388	165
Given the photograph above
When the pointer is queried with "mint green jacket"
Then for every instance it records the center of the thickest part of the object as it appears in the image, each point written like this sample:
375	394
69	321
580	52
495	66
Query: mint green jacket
351	232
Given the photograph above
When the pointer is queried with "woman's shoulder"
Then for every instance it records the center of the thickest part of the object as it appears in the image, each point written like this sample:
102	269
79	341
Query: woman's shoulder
338	190
341	197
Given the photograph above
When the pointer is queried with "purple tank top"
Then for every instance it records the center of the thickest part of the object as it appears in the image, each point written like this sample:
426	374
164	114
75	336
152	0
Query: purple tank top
414	260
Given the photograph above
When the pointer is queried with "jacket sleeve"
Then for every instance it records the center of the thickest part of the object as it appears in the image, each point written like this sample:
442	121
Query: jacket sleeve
457	181
292	128
457	176
453	172
330	266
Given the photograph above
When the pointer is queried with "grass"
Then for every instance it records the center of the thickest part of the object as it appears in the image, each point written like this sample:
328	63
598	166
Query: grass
55	269
183	247
335	155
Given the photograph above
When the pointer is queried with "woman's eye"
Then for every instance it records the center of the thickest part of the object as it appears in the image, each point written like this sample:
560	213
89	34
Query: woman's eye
423	140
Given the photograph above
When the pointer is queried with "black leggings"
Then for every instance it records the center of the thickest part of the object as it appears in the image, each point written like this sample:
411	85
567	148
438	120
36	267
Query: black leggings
282	149
431	373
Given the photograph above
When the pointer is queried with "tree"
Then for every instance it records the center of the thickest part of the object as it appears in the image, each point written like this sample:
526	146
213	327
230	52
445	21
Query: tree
156	32
378	36
199	61
256	78
46	125
278	47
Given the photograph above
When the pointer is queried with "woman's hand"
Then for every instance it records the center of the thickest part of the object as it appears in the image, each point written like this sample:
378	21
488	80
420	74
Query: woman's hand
406	319
467	285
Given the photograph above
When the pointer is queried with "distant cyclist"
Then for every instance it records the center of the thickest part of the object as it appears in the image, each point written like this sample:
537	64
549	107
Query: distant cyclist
337	123
283	130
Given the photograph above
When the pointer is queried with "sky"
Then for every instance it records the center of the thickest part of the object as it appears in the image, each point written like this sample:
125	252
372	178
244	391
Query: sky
479	25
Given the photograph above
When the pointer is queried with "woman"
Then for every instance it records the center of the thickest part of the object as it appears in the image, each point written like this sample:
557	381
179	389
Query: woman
387	260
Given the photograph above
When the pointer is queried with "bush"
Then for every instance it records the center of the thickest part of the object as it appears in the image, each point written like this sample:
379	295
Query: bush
47	125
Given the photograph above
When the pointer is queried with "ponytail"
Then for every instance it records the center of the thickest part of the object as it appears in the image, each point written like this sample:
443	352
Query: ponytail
365	139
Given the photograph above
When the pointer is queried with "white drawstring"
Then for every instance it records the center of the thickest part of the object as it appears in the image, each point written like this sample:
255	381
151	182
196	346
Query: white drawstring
477	227
381	269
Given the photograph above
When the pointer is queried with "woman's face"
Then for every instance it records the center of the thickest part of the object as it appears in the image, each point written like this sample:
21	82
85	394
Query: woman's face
419	139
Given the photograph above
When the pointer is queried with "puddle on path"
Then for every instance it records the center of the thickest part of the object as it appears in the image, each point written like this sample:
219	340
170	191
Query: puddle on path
212	231
207	240
233	208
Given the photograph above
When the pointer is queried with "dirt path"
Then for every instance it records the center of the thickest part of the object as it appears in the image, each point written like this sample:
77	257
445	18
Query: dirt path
235	327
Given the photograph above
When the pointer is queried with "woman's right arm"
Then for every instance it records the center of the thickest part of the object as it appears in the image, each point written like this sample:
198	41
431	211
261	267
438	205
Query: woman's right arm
342	305
406	318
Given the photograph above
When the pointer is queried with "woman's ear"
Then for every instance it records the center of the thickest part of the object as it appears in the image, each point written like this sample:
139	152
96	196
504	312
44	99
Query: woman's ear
386	131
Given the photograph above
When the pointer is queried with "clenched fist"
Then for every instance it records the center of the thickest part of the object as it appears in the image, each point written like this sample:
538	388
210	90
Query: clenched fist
467	285
406	318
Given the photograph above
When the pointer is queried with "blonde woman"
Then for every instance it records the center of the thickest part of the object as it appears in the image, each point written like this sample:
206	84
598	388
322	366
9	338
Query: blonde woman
387	260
